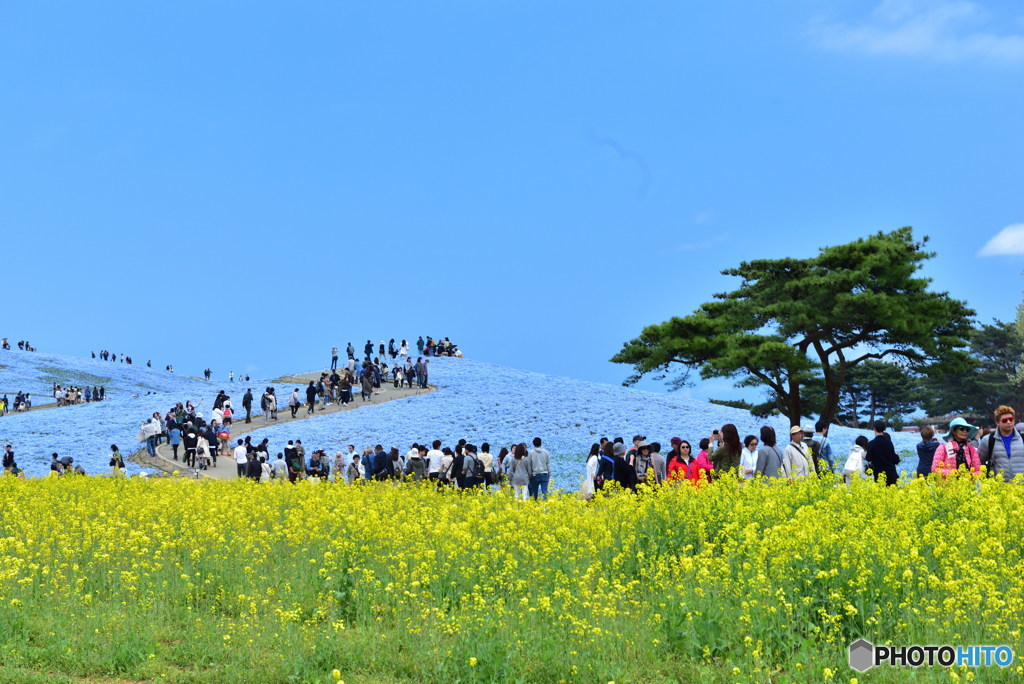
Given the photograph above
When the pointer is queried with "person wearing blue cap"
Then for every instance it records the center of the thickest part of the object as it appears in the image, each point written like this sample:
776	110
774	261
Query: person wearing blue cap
958	451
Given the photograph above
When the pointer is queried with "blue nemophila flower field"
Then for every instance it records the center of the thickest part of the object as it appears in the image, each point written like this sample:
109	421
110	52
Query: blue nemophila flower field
86	431
478	401
482	402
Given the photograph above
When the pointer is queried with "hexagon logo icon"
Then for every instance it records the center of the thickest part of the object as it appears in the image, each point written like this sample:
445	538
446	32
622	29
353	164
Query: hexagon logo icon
862	655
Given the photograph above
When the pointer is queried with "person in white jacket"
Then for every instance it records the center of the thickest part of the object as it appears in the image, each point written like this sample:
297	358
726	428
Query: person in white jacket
854	468
589	486
150	429
795	456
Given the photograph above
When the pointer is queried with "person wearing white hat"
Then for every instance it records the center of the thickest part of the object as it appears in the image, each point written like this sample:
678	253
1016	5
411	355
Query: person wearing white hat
795	457
958	451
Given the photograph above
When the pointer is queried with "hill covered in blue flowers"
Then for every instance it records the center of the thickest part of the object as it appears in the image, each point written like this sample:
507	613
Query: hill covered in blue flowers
478	401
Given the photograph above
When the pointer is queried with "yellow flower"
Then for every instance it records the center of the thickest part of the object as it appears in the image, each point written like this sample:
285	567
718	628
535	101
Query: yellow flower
472	662
336	674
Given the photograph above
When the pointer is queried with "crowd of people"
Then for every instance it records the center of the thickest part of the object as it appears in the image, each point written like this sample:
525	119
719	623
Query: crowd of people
526	471
22	402
185	429
338	384
395	350
105	355
965	448
69	396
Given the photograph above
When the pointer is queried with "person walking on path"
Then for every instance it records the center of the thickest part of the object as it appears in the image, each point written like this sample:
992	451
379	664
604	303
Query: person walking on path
420	344
334	358
149	432
294	402
241	455
247	405
366	385
310	398
174	437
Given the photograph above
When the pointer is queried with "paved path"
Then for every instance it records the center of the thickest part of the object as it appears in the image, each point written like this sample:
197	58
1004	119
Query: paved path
225	469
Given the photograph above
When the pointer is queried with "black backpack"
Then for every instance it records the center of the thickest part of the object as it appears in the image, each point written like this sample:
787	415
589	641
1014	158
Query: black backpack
478	467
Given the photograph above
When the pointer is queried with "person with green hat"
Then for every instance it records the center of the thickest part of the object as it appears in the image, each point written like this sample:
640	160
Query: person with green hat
958	450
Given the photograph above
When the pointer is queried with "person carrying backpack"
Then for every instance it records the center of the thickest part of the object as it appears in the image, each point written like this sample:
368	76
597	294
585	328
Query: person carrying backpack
472	468
1003	451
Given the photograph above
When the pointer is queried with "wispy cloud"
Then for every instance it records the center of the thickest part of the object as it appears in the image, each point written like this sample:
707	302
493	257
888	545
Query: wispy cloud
941	30
1010	240
628	155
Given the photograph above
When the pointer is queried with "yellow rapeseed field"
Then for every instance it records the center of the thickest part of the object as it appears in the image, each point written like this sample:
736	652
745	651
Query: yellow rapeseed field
189	581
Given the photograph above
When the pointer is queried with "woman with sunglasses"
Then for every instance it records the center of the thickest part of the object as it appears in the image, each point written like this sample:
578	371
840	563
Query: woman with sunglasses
679	460
958	451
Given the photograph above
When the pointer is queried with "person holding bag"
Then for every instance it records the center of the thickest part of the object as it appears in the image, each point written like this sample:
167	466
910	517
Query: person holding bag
854	467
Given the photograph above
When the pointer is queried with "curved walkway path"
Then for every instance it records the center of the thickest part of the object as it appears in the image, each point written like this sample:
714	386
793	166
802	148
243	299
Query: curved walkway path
225	469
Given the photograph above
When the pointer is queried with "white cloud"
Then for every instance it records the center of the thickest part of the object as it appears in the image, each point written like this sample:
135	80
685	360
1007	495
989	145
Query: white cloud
1010	240
943	30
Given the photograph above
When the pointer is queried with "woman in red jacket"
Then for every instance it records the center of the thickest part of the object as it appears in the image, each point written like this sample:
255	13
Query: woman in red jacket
679	460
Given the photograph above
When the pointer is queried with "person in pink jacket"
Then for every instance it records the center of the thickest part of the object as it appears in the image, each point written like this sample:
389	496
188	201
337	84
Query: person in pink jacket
701	467
957	451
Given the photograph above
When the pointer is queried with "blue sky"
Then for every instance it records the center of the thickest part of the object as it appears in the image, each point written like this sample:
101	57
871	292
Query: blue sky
241	185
